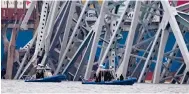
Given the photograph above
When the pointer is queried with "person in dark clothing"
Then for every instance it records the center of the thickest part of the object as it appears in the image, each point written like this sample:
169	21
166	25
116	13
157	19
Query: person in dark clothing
99	77
96	80
109	76
105	76
95	77
52	72
39	74
42	74
3	72
121	77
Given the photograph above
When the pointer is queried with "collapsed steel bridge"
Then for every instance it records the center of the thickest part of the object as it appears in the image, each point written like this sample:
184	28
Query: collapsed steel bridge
68	41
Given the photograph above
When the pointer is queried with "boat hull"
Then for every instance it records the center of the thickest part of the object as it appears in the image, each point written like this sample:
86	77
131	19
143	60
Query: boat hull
57	78
117	82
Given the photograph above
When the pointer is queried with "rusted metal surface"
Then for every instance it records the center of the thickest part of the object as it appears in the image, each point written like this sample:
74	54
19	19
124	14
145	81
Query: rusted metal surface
11	48
7	14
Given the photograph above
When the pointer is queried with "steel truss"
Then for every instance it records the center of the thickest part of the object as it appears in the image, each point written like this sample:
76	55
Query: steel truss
68	43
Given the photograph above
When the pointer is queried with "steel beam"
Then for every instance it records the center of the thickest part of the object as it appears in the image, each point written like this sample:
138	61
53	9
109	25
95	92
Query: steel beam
97	31
123	67
157	71
177	33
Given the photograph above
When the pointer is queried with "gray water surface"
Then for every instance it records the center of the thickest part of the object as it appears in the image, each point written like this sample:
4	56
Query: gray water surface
19	86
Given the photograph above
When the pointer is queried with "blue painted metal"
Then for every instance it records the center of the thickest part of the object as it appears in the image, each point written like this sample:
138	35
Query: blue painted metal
23	37
57	78
170	43
129	81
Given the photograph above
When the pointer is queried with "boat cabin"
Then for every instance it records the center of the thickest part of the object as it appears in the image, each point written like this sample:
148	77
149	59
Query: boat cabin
43	71
106	75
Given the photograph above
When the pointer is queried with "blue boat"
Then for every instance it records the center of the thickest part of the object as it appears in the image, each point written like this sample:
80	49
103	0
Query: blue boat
57	78
129	81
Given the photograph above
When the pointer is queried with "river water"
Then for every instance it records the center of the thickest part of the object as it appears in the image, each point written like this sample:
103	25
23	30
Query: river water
19	86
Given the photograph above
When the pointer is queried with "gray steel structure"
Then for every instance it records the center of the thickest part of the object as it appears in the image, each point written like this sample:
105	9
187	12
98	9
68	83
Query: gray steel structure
68	43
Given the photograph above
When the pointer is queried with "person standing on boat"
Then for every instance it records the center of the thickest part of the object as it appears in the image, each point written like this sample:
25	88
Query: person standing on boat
121	77
37	75
108	76
3	72
105	76
95	77
99	77
40	72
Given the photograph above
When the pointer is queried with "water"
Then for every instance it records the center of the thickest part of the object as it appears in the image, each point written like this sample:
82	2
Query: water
19	86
